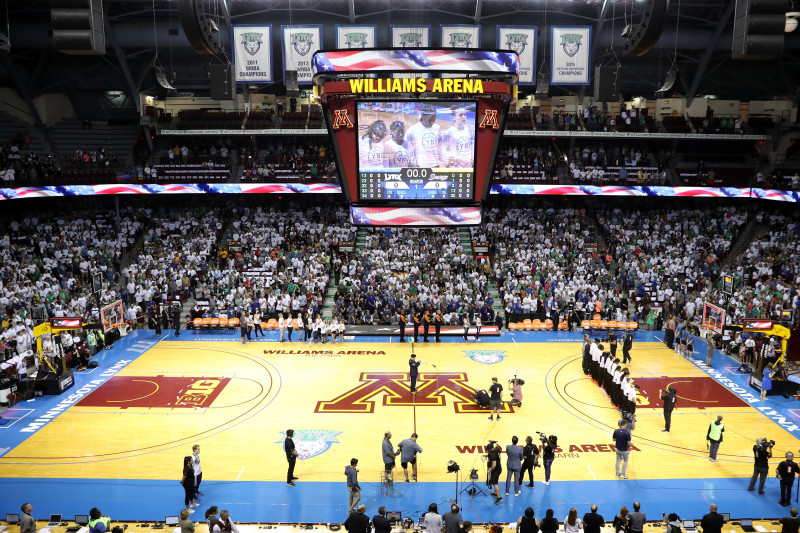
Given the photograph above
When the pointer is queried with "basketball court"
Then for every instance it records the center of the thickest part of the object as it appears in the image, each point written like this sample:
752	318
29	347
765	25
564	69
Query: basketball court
117	438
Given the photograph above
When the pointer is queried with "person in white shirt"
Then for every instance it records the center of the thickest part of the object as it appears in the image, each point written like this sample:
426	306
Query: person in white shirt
466	326
281	326
300	328
257	323
477	327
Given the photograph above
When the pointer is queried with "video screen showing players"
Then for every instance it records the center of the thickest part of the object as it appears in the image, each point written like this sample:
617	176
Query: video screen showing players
416	150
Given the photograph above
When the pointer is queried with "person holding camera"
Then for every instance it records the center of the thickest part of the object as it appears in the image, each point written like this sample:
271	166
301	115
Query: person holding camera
714	436
530	459
549	455
516	391
762	452
493	470
669	398
785	472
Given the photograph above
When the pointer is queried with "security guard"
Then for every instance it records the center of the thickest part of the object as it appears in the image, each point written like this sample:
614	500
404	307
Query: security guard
97	522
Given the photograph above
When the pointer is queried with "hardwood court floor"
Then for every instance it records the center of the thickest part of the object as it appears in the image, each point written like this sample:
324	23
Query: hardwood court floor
237	400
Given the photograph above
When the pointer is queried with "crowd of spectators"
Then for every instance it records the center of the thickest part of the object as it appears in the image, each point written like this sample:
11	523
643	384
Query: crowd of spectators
526	159
668	258
543	263
767	275
412	270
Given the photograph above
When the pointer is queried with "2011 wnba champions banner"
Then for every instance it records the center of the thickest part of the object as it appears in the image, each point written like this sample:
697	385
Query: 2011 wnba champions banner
570	55
355	37
299	45
252	53
460	36
523	41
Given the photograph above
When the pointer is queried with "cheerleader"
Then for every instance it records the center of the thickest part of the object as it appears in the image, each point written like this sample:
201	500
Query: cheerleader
300	329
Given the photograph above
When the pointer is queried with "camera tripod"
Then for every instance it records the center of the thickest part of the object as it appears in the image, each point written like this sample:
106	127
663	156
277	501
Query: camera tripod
472	489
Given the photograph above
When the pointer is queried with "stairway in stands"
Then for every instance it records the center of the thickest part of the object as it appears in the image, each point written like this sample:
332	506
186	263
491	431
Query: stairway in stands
465	236
327	306
751	231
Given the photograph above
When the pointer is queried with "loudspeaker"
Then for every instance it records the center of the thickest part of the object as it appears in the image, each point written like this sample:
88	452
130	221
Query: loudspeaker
542	85
78	26
758	29
605	84
292	88
222	85
198	27
643	36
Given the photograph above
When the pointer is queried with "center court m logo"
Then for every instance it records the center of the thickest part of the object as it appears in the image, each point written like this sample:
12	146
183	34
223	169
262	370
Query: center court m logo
487	357
311	442
432	389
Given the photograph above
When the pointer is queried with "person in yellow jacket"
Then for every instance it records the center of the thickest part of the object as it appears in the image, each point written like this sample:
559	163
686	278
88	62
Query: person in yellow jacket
714	436
97	522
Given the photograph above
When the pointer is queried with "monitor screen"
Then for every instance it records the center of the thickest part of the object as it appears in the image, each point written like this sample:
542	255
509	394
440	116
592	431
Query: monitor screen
688	524
726	516
172	520
55	518
416	150
81	519
748	522
12	518
394	517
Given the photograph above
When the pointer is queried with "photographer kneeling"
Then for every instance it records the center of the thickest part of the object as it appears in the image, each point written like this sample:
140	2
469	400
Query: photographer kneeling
516	391
762	452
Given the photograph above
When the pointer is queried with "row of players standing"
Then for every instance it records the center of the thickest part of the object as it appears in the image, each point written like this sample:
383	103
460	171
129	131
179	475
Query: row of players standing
312	330
427	319
607	371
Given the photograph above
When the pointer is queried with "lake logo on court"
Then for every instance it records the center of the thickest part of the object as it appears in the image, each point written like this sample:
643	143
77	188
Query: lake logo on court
487	357
312	442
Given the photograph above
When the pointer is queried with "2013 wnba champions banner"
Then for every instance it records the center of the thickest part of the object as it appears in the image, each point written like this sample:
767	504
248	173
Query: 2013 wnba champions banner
523	41
252	53
570	54
300	43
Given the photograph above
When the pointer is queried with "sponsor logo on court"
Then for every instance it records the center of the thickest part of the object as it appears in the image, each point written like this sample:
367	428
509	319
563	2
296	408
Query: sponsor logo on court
487	357
572	451
433	389
699	392
328	353
124	392
311	442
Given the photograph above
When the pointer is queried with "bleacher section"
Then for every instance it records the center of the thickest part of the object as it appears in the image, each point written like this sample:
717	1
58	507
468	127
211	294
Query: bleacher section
209	119
70	135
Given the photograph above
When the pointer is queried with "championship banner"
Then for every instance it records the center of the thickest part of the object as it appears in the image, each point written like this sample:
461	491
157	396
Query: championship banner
411	36
570	51
460	36
252	53
299	45
355	37
522	40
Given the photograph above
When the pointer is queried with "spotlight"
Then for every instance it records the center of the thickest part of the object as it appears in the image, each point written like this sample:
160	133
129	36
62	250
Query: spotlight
452	466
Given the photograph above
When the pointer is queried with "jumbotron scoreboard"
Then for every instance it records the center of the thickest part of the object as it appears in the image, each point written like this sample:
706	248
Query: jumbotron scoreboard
415	127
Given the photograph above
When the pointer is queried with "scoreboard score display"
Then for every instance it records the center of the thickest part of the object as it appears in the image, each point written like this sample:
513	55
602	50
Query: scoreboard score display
416	150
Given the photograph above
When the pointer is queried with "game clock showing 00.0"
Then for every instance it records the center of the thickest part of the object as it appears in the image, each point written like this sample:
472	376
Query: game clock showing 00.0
416	184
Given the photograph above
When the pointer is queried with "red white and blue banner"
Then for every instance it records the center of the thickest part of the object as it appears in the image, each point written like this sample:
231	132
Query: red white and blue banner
523	40
460	36
170	188
252	53
662	191
300	43
355	37
474	61
570	55
415	216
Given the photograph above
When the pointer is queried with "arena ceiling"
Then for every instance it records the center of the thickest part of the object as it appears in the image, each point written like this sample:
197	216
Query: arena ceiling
141	34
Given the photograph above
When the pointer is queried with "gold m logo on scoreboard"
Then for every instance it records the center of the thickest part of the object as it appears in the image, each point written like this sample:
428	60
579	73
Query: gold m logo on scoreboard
489	119
341	119
418	85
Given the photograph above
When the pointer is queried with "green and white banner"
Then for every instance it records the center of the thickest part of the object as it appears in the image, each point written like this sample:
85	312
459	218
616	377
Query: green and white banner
355	37
300	43
570	55
252	53
523	41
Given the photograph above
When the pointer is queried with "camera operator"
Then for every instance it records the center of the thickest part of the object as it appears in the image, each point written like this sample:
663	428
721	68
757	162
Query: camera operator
494	469
548	454
530	460
786	471
516	391
762	452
